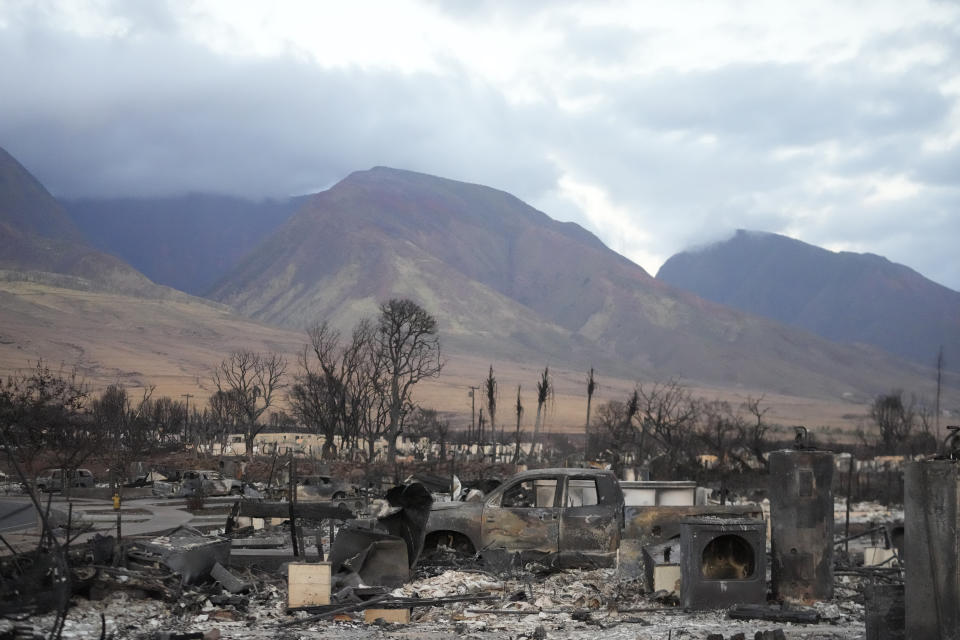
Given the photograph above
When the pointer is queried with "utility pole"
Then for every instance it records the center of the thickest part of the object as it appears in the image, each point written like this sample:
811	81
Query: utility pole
186	412
187	403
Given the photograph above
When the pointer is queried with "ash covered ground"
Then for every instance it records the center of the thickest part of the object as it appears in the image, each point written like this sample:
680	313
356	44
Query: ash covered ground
566	605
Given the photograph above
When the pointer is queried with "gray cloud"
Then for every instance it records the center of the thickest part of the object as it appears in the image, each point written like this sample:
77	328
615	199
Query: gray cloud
689	154
111	121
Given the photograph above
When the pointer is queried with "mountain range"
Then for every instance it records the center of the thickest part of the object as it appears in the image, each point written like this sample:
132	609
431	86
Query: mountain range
504	278
845	297
506	282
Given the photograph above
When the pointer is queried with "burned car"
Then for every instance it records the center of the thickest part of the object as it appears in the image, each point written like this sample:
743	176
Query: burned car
198	481
573	516
316	488
56	479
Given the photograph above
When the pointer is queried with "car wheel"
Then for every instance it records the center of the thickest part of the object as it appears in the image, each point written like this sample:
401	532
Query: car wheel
457	542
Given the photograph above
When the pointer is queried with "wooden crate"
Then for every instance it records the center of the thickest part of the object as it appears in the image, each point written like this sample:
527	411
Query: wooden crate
308	584
397	616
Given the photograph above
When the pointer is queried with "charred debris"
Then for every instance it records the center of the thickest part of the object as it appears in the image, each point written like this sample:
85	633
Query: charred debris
544	553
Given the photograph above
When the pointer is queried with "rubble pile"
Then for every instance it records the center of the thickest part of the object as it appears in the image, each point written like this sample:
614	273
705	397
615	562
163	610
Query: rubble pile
375	577
569	604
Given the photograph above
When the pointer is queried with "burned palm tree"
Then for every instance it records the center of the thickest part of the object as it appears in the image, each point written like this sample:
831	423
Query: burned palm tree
591	388
480	423
490	388
544	391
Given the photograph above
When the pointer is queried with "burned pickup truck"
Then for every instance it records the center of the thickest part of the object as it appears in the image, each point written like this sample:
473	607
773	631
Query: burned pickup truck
572	516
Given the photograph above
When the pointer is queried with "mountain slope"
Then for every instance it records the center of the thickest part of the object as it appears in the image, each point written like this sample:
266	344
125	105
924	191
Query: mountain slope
186	242
846	297
135	341
27	208
504	278
38	237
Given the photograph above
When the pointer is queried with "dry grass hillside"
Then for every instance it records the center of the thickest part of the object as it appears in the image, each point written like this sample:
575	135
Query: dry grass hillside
509	286
172	344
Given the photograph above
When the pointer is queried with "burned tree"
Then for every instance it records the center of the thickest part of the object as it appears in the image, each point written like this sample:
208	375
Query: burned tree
753	434
893	418
490	389
374	404
591	388
480	423
46	412
667	414
544	393
334	387
409	346
224	416
611	433
161	420
129	428
516	439
720	430
249	380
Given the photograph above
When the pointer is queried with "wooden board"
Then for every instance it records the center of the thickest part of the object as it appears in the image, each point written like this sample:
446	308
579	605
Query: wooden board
308	584
396	616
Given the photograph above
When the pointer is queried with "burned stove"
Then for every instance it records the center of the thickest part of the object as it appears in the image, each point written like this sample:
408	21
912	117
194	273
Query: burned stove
724	562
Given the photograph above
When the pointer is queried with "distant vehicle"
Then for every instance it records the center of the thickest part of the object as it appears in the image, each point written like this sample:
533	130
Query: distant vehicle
213	483
193	481
324	488
53	479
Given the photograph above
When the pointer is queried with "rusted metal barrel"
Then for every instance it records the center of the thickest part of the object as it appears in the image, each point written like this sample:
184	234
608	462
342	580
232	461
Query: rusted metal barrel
801	518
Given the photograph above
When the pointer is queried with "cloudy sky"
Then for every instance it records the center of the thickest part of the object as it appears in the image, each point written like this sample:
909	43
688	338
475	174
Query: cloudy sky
656	125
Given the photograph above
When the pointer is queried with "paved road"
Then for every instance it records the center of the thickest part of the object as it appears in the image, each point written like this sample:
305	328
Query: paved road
16	514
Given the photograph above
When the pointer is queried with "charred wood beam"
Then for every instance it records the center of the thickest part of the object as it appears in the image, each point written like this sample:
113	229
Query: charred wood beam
356	606
859	535
405	603
774	614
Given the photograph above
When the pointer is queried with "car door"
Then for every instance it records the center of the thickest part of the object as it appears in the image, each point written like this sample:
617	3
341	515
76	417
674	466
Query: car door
587	525
524	517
